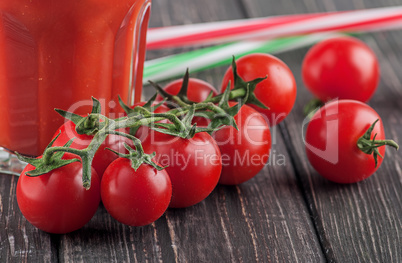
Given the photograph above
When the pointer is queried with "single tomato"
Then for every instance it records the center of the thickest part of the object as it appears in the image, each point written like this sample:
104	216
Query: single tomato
57	202
277	91
103	157
244	151
135	197
194	165
341	68
197	90
332	138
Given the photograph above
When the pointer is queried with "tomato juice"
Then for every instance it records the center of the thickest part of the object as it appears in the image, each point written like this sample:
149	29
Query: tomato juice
58	54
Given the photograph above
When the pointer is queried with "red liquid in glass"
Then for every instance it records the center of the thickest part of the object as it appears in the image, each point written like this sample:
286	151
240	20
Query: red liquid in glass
57	54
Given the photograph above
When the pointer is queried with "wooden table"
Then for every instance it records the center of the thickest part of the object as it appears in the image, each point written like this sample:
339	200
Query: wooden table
287	213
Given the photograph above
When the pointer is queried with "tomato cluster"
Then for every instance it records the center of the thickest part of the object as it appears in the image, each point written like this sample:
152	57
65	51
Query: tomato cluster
173	150
341	68
345	140
167	168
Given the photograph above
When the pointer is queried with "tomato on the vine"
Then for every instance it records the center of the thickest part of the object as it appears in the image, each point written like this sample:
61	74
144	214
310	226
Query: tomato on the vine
57	202
277	91
194	165
341	68
103	157
244	151
135	197
332	141
197	91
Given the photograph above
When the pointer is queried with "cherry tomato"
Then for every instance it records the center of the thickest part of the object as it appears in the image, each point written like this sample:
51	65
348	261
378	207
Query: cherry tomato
244	151
341	68
135	198
198	90
103	157
331	141
277	91
194	165
57	202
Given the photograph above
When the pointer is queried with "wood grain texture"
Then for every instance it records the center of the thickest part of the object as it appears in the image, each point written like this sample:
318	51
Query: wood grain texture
263	220
359	222
19	240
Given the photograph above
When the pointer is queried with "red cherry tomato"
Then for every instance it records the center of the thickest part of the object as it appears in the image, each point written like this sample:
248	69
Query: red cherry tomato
198	90
103	157
135	198
342	68
244	151
277	91
57	202
331	141
194	165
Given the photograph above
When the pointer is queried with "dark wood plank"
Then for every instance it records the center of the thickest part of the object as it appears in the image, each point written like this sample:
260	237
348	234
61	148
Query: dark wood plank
19	240
263	220
104	239
359	222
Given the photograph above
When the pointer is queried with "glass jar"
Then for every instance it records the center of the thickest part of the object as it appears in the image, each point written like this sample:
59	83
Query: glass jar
58	54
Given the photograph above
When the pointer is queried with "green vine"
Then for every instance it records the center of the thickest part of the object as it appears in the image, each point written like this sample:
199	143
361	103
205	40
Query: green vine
370	146
179	123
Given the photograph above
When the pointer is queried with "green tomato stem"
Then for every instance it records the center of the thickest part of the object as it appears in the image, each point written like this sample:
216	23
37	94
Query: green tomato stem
370	146
179	101
312	106
234	94
47	155
110	126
